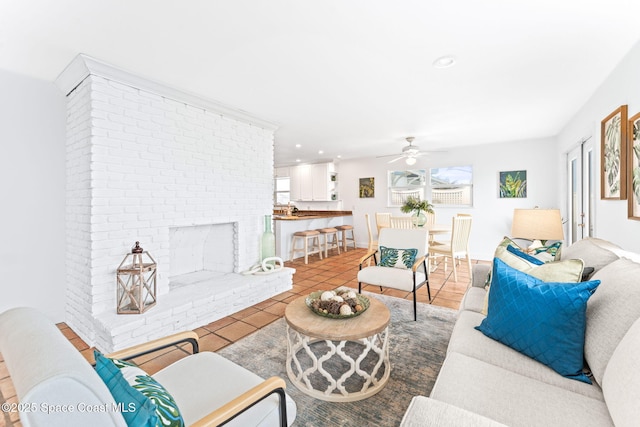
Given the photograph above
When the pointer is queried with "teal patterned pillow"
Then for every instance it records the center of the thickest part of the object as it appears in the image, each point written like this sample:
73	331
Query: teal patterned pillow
166	408
137	409
548	253
397	258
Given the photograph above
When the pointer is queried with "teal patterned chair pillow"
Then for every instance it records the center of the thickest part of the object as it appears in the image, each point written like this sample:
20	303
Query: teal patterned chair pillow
137	409
397	258
166	409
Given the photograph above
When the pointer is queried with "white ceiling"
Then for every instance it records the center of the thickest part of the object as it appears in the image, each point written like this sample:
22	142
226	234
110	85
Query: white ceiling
349	77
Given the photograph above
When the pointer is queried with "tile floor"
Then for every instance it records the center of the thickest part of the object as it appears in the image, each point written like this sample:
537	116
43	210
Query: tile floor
329	273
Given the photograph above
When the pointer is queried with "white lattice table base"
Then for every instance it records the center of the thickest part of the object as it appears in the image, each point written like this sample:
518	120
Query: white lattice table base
346	370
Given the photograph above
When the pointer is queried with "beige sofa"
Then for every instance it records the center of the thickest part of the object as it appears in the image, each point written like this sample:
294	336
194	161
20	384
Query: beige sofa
485	383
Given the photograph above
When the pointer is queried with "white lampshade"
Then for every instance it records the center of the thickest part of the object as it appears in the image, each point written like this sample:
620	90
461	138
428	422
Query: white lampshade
537	224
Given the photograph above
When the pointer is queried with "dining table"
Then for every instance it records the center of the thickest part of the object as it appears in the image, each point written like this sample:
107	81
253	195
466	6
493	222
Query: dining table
434	229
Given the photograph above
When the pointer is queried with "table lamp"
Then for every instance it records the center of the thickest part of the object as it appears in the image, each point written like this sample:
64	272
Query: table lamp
537	225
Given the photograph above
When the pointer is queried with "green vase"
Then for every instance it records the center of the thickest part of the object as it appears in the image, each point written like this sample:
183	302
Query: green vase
268	240
419	219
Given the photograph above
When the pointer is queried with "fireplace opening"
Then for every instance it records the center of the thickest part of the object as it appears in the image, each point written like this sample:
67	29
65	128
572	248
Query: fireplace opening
200	253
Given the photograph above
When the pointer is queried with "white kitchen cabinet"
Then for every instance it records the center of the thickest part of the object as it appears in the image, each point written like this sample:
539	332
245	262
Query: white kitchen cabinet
313	182
321	181
306	186
300	183
294	182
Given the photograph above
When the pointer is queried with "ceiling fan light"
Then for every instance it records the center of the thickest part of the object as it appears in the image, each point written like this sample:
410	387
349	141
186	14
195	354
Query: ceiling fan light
444	61
411	161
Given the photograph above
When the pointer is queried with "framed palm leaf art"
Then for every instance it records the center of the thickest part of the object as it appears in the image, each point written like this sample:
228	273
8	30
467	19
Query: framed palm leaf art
513	184
613	155
633	172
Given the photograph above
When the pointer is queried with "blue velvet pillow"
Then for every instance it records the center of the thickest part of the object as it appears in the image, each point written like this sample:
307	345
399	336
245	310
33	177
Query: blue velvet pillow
397	258
544	320
137	409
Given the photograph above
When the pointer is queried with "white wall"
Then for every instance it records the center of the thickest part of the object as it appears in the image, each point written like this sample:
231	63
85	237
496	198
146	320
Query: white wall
492	215
621	87
32	187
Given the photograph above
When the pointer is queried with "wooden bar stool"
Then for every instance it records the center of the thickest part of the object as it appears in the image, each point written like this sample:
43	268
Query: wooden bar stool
308	249
344	229
334	243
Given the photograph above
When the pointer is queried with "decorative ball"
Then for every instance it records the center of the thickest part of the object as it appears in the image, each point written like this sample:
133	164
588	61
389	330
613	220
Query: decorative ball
345	310
338	298
327	296
350	294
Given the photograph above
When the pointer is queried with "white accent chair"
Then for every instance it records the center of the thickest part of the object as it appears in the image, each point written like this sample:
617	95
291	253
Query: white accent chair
46	369
410	279
458	247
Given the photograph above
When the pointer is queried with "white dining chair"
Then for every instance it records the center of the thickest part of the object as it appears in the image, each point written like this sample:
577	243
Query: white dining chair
372	242
401	222
382	220
458	246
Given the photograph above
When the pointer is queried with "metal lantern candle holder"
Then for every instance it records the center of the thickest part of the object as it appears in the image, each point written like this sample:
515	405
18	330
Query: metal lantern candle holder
136	281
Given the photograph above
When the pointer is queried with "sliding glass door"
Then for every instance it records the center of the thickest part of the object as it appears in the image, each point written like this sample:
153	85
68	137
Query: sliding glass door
581	192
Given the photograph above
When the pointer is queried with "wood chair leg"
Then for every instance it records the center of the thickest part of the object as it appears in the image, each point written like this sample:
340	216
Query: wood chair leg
326	246
319	247
455	271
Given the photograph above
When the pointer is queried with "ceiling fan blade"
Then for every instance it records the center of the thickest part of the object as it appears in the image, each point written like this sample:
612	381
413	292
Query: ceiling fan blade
396	159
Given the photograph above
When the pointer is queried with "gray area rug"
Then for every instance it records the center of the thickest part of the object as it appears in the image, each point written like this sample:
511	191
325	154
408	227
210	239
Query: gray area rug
417	350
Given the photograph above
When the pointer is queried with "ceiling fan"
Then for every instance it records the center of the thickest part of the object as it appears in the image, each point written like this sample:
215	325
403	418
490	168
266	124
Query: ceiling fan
410	152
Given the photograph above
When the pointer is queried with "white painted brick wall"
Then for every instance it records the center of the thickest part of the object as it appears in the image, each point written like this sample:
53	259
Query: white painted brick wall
139	163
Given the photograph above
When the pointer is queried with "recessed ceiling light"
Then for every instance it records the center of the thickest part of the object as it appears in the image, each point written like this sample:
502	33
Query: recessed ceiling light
320	152
297	160
339	156
298	145
444	61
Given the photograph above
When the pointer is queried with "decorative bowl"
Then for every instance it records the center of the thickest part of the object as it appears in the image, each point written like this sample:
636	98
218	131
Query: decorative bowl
314	297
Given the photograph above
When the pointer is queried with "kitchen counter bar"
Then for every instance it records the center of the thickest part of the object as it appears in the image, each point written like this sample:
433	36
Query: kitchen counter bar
306	220
277	215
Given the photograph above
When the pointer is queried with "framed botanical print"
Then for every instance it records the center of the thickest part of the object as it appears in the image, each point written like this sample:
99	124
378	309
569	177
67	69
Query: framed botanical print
613	155
513	184
633	168
367	187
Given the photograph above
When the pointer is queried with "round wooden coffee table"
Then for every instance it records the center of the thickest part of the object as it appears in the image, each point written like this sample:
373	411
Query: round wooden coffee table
338	360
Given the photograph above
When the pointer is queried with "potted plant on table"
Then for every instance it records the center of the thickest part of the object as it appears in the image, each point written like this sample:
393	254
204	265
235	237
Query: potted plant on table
417	206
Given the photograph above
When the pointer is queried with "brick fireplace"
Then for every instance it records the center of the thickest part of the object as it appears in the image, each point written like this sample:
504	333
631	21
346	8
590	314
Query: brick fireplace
187	177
